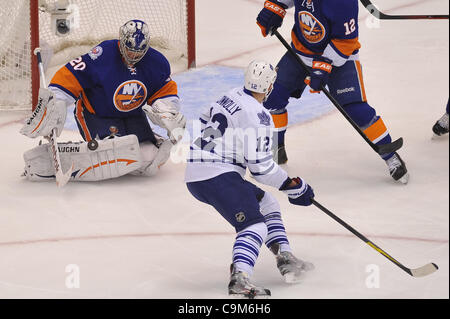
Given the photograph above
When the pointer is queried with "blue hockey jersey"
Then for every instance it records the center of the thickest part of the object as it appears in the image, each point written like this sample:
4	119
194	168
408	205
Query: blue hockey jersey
325	27
104	85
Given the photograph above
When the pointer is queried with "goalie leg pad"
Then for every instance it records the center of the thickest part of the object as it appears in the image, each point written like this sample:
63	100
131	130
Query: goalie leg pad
153	158
111	158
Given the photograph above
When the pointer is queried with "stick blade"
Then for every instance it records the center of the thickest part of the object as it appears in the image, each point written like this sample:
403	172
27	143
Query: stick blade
391	147
62	179
424	270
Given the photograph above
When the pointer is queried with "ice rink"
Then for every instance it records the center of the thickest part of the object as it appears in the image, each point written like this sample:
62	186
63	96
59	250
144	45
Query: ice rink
149	238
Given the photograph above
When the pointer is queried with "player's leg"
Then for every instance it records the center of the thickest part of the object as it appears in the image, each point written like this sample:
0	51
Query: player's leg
347	86
92	126
290	82
103	159
441	126
155	149
154	152
238	202
290	267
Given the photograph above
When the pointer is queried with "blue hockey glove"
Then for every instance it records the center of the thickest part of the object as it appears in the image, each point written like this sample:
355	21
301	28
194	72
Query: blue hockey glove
321	69
299	193
271	17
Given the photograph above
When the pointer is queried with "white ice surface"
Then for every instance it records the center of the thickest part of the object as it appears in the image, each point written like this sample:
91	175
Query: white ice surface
149	238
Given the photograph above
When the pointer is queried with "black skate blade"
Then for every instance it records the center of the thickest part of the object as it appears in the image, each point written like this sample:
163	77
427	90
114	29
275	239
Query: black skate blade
250	295
389	148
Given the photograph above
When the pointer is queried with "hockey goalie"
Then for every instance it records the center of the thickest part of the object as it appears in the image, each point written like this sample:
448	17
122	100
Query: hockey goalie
116	88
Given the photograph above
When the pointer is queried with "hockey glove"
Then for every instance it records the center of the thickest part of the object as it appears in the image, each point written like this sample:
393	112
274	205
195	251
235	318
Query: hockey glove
298	192
165	113
321	69
271	17
49	114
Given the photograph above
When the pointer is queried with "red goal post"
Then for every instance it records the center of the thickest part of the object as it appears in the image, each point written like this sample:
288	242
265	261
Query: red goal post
27	24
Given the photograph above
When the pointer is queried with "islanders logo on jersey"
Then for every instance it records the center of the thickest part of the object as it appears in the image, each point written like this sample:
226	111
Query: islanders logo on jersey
130	95
312	30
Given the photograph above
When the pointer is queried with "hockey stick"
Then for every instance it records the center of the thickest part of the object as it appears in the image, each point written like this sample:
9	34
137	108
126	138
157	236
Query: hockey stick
380	149
417	272
380	15
61	177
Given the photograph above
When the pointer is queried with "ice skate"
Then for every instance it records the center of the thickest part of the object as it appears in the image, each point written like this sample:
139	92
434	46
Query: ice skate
292	268
441	126
241	287
279	155
397	169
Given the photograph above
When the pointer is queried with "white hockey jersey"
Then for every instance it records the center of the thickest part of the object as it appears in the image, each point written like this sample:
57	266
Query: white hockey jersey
236	134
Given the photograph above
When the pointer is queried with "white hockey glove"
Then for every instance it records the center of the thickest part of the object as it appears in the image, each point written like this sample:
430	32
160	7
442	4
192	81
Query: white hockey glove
49	114
166	114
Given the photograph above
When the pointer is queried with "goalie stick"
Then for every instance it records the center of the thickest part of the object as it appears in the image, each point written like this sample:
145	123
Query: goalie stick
417	272
61	177
380	15
380	149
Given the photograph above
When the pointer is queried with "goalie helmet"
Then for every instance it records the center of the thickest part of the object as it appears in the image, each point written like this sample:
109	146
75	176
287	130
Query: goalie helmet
134	37
260	77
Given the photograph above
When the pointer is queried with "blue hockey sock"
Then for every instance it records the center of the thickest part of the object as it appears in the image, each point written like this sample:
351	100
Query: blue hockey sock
276	232
246	247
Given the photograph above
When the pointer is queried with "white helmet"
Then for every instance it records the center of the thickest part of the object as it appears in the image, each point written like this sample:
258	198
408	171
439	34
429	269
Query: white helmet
259	77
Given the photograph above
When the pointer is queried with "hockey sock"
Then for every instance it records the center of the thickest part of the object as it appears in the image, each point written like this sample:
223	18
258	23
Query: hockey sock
372	125
276	232
379	134
246	247
281	122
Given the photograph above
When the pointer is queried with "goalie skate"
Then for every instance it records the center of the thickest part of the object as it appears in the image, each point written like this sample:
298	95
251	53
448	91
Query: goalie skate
241	287
292	268
397	169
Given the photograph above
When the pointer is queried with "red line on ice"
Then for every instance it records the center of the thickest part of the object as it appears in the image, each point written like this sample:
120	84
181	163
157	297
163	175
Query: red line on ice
200	234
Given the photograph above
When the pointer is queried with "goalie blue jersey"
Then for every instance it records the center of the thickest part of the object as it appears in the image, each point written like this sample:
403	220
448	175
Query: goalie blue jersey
104	85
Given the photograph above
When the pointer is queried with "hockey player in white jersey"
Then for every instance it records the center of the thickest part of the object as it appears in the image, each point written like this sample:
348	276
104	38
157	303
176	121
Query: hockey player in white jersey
237	134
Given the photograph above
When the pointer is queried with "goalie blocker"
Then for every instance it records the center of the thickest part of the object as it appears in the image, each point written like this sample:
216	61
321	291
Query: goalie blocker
95	161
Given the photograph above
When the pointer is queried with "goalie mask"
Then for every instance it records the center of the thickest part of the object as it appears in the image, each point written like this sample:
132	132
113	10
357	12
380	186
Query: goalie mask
260	77
134	42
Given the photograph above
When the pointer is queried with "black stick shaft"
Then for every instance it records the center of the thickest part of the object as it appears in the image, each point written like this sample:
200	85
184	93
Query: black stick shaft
360	236
375	147
382	16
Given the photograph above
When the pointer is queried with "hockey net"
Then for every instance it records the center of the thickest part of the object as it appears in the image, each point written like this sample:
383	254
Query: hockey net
92	21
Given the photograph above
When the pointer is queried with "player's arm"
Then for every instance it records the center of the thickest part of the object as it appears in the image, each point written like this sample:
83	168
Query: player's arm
264	169
163	107
64	89
343	19
257	141
344	31
271	16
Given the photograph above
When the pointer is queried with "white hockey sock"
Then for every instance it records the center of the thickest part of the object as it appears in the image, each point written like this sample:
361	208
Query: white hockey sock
276	232
246	247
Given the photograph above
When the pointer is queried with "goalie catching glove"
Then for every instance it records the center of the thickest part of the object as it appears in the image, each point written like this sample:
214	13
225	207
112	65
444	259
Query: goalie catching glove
49	114
166	114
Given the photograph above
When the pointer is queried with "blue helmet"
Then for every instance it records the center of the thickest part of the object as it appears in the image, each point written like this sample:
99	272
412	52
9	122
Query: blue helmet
134	42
